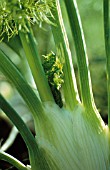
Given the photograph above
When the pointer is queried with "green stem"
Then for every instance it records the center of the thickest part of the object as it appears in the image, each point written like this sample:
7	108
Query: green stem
62	44
6	157
30	48
11	72
106	4
36	158
76	27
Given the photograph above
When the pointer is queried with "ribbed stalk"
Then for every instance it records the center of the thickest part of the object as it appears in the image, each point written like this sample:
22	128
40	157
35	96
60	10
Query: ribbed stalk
36	158
30	48
12	73
62	44
82	59
106	4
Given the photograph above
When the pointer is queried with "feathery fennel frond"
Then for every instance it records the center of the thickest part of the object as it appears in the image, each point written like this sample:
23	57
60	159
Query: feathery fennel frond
14	15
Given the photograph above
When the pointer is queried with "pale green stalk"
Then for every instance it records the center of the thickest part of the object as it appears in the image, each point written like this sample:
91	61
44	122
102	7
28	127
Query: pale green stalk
36	156
62	45
6	157
10	139
70	141
82	59
30	48
11	72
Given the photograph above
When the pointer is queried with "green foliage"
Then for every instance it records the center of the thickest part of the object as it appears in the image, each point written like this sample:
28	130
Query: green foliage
15	15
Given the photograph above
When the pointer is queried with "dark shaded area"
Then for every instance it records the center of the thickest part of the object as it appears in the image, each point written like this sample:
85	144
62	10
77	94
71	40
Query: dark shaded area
18	149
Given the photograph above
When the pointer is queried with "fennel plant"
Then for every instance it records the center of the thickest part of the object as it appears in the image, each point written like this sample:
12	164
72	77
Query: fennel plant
70	134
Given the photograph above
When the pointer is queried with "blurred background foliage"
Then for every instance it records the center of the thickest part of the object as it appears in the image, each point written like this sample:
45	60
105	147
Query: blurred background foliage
91	12
92	19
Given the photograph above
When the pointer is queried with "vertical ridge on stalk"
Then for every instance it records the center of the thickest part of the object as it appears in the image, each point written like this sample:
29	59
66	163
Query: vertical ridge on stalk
11	72
35	64
82	58
60	37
